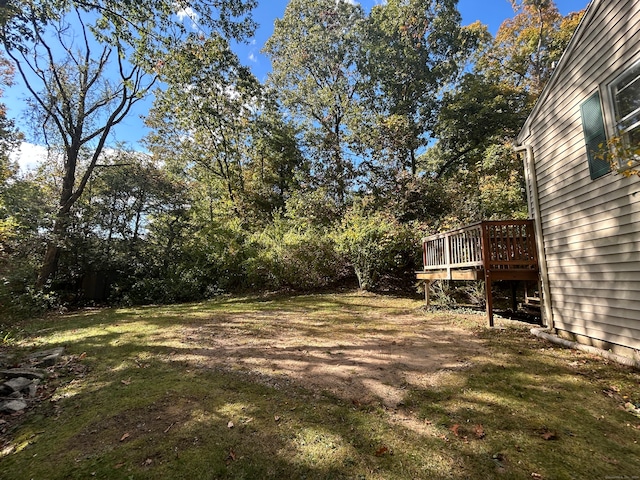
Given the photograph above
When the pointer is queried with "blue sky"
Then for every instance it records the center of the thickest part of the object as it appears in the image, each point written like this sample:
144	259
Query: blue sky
131	130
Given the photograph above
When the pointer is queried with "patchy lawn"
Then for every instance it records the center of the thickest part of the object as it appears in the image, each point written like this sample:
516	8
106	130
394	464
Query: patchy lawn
328	386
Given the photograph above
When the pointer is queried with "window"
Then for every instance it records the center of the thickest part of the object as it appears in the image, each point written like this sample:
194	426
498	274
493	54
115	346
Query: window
595	136
625	96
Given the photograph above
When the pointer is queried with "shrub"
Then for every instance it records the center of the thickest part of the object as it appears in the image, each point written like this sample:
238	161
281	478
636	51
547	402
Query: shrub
374	243
294	257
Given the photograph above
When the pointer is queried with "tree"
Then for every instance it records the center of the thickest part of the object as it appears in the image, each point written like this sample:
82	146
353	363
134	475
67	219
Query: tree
277	167
488	106
479	112
101	65
129	195
77	106
314	50
527	46
9	136
202	121
411	51
9	139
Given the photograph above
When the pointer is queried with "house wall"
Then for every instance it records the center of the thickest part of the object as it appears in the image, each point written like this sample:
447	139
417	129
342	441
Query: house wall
590	228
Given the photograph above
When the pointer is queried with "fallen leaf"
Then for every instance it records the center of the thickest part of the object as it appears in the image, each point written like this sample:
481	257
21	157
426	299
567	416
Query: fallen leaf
148	462
231	456
126	382
382	450
479	431
276	418
549	436
230	424
456	430
82	356
536	475
124	437
119	465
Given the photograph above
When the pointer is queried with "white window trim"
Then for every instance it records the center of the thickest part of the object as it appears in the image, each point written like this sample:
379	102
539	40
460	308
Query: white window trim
609	108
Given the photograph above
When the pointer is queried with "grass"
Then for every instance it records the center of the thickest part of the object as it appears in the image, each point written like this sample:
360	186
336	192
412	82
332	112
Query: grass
137	400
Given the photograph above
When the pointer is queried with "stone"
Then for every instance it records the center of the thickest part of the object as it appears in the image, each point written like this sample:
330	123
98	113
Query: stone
46	358
33	388
18	384
23	372
13	406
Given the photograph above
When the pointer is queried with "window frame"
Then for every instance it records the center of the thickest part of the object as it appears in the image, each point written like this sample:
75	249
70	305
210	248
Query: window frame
612	124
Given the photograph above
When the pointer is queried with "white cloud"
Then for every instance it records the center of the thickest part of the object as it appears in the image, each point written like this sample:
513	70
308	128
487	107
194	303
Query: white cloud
29	156
253	58
188	13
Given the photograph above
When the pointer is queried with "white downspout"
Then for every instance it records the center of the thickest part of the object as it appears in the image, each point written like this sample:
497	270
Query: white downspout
530	179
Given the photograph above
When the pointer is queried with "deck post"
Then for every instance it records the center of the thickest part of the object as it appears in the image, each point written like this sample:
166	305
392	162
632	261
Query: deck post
489	293
486	257
514	292
427	287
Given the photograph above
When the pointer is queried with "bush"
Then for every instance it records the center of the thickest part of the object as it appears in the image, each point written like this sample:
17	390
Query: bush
375	244
294	257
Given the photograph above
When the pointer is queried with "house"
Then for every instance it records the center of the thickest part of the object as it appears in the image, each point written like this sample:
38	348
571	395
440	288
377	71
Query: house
587	218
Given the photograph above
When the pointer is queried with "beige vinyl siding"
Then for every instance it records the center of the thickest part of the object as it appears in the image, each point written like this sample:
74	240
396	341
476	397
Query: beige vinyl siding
591	228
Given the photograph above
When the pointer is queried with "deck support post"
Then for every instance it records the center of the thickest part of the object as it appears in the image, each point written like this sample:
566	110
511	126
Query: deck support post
486	263
427	287
514	291
489	294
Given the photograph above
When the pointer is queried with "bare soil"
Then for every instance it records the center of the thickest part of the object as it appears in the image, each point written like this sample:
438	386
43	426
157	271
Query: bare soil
366	360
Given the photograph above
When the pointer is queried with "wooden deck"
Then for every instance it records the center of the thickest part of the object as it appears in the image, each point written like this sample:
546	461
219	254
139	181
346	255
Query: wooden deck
489	251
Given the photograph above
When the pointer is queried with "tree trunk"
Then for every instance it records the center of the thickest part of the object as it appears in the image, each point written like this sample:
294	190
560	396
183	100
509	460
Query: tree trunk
52	254
414	167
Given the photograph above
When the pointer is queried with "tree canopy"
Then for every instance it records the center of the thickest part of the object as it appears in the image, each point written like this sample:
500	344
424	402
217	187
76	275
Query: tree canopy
372	129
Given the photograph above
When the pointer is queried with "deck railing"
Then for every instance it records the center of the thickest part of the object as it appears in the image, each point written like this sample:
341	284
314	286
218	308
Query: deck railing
489	251
492	245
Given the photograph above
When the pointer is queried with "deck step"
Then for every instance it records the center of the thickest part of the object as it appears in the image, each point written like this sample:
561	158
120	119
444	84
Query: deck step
532	301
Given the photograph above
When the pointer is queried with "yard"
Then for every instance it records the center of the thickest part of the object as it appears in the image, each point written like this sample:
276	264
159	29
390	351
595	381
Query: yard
345	385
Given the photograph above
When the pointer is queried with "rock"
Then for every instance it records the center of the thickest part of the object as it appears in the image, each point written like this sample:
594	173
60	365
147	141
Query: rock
33	388
18	384
13	406
23	372
6	359
46	358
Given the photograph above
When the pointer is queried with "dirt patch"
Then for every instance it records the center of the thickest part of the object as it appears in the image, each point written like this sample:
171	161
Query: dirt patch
362	360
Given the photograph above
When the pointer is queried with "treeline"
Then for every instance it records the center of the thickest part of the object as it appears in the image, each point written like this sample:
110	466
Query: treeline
372	130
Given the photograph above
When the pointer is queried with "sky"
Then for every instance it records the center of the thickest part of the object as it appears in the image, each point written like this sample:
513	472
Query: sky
490	12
